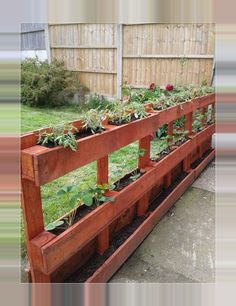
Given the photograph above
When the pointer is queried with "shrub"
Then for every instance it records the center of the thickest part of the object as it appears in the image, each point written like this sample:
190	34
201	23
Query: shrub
44	84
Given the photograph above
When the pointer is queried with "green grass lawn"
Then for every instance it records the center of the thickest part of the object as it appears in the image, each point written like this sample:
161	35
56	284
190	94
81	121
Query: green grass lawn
120	162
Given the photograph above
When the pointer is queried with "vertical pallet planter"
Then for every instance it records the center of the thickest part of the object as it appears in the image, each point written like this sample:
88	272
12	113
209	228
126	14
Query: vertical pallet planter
53	258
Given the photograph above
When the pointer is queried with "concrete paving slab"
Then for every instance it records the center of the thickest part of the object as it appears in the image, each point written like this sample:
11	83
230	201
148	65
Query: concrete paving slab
142	271
206	180
180	248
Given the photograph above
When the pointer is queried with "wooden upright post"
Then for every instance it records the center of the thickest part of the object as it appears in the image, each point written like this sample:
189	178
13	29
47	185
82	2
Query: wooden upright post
144	161
34	225
102	178
168	176
188	128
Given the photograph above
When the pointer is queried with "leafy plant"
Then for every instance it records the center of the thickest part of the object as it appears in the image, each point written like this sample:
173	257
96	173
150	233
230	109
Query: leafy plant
98	102
53	225
47	84
72	200
96	195
136	174
60	134
179	135
93	121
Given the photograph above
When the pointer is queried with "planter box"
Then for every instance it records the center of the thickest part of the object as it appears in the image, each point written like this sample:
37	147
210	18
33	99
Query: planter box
40	165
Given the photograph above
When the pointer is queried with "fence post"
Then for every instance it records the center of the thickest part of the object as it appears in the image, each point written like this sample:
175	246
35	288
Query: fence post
119	60
47	42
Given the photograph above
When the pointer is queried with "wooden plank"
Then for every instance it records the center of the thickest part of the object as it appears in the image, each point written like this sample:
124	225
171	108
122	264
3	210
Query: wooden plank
104	273
74	238
45	160
144	157
170	56
83	47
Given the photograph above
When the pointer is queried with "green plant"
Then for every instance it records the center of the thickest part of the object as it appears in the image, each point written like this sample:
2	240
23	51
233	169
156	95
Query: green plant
93	121
98	102
60	134
67	192
179	135
96	195
47	84
120	114
53	225
138	110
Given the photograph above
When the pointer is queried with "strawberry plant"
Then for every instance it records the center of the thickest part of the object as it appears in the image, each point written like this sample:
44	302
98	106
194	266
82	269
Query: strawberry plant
60	134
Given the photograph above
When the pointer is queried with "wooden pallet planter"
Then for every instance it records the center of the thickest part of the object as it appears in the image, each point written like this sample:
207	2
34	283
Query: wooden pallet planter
49	253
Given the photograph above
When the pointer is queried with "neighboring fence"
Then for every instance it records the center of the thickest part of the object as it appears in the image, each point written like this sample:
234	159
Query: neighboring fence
109	55
35	40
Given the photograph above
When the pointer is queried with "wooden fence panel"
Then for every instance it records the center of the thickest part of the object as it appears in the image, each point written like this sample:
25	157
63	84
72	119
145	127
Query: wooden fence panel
160	53
167	53
90	50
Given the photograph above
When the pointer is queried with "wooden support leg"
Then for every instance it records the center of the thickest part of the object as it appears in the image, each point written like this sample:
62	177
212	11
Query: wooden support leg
167	180
170	132
203	112
102	178
144	159
188	128
103	241
188	123
187	164
142	204
33	224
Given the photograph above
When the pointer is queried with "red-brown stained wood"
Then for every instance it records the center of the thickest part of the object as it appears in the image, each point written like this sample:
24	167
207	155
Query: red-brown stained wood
104	273
103	241
40	165
144	144
32	209
51	163
74	238
102	178
167	180
188	123
204	163
170	131
102	170
142	204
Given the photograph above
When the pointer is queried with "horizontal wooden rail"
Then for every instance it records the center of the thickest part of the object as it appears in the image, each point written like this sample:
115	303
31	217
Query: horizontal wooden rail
62	247
175	56
82	47
95	71
42	165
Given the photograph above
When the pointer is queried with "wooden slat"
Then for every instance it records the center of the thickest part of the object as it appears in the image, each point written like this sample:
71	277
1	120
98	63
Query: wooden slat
74	238
45	160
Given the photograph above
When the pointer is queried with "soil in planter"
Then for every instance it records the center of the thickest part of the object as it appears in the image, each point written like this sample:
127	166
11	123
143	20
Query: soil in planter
199	160
128	179
84	210
96	261
79	135
81	212
167	151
